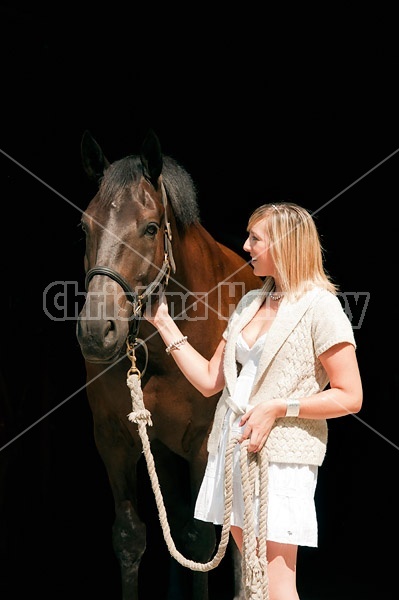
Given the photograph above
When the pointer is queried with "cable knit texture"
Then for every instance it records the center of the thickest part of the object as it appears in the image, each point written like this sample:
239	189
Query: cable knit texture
289	367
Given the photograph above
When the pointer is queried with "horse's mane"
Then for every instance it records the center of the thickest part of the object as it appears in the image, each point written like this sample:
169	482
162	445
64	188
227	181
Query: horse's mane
179	185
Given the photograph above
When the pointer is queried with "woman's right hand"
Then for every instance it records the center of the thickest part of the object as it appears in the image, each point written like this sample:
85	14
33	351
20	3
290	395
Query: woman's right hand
156	309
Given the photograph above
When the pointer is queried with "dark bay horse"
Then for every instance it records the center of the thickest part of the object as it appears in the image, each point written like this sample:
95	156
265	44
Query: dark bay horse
143	233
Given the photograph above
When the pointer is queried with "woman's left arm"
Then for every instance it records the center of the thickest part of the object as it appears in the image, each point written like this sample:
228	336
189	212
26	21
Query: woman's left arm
345	393
343	397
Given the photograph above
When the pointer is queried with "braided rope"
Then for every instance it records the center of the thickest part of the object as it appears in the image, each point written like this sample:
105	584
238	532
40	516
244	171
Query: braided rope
254	563
254	569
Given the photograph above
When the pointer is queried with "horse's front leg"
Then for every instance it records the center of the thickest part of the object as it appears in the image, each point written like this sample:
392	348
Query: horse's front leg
120	458
129	543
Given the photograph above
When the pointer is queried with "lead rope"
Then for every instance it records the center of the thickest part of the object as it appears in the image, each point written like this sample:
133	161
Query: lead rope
254	563
254	473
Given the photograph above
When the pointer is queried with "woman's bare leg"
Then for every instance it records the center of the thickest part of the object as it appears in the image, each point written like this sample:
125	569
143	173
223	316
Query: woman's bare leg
236	533
281	568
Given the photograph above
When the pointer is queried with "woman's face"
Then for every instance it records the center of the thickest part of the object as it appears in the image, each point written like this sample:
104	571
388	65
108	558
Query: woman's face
257	244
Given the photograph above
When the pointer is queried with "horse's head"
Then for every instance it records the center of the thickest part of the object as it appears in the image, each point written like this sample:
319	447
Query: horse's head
128	241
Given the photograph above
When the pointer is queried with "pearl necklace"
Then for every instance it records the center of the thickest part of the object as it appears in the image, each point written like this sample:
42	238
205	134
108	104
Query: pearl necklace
276	297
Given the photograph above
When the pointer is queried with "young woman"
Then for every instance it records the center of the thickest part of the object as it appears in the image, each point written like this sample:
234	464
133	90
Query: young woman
297	367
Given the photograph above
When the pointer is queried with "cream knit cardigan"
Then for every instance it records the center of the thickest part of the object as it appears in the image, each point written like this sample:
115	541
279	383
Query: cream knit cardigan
289	367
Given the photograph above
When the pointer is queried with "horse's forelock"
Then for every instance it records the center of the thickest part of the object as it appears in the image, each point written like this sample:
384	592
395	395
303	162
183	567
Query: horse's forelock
119	175
180	188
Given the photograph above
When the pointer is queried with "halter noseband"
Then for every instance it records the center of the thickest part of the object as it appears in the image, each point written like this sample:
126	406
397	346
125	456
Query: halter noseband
161	280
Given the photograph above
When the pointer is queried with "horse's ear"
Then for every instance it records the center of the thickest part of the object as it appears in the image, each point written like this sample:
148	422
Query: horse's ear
93	159
151	158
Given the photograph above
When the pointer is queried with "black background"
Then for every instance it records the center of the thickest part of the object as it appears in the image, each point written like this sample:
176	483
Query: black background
257	109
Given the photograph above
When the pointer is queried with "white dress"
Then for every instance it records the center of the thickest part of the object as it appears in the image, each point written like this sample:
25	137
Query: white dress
291	509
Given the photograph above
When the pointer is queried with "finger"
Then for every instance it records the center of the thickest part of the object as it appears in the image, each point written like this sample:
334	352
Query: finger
247	433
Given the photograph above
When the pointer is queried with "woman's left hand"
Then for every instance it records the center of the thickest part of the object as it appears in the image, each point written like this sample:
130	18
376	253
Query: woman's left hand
257	422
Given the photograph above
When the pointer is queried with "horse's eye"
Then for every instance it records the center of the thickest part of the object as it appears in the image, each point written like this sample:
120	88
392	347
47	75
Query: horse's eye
83	226
151	229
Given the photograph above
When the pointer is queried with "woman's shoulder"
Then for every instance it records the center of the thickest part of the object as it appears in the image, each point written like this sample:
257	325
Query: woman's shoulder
324	299
330	323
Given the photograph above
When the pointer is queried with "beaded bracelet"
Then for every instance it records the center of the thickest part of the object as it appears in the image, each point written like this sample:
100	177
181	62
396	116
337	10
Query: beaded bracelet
176	345
293	406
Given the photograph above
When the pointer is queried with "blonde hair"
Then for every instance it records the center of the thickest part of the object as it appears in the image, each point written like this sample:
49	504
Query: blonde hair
294	246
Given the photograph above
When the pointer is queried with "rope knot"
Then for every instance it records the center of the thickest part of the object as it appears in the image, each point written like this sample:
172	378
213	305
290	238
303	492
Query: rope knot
255	578
139	413
254	575
255	572
143	415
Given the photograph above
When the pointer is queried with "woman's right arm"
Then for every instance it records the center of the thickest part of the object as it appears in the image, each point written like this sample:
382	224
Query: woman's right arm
205	375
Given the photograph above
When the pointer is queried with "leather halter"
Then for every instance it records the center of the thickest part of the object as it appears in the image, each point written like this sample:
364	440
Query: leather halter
138	300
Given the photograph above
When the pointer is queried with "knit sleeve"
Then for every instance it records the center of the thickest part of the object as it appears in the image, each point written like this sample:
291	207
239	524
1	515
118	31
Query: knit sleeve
331	324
